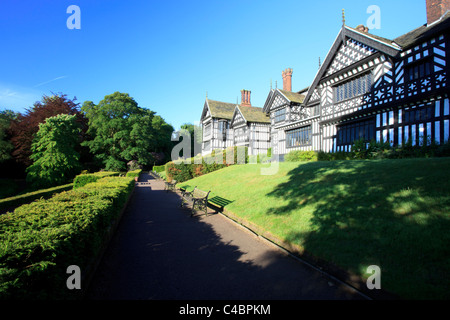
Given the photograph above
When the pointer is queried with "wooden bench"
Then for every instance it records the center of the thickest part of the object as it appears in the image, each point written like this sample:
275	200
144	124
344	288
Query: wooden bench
218	203
170	185
197	198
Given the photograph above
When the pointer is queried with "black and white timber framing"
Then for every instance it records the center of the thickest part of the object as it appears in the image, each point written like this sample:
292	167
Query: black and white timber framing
251	128
226	125
215	122
368	87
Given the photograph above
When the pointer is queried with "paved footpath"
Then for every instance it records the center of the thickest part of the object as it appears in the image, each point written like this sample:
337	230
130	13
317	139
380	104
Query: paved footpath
159	252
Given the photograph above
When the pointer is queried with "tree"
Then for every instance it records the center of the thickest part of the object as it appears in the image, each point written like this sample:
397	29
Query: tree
195	133
25	126
6	146
120	131
54	155
162	141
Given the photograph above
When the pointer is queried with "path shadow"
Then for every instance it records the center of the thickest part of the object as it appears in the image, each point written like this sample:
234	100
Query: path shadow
160	253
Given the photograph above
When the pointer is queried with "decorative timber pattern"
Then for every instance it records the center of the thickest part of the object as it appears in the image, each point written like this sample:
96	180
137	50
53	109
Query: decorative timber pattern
369	88
353	51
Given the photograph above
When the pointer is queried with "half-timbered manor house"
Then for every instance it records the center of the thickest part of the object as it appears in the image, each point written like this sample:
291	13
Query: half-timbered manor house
371	88
251	129
227	124
215	122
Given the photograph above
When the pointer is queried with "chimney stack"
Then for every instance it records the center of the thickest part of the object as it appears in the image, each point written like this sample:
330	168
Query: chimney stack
436	9
287	79
245	98
362	28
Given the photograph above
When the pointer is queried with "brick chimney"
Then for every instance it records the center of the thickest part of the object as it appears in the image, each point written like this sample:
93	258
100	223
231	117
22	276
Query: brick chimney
287	79
245	98
362	28
436	9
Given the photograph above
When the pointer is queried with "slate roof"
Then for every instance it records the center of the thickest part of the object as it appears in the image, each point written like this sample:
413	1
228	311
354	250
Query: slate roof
373	36
254	114
417	35
222	110
293	96
421	33
225	110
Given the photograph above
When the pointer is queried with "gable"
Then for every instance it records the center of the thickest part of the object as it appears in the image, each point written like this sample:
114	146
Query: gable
349	48
244	115
238	119
275	100
205	112
349	53
278	101
268	102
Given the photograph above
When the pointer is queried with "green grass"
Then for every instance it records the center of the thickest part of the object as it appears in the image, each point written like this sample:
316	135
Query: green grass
390	213
15	201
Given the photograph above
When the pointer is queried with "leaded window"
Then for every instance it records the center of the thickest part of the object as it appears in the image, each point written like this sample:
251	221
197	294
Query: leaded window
280	115
350	133
353	88
299	137
208	129
223	127
418	70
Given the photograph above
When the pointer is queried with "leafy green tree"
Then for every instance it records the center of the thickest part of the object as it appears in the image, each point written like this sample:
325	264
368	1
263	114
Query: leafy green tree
54	155
120	131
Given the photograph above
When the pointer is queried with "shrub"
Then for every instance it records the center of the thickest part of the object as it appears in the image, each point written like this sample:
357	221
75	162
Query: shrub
170	170
325	156
38	241
83	179
383	150
134	173
159	169
183	170
301	156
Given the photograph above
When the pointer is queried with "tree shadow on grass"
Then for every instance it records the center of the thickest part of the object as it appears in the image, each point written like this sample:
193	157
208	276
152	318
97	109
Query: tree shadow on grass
391	213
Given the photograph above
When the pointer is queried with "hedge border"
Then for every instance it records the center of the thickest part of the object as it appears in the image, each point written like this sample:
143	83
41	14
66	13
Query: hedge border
83	179
95	261
90	263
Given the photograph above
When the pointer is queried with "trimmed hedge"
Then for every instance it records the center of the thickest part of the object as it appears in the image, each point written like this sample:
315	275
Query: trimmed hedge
82	179
19	200
39	241
134	173
295	156
159	169
194	167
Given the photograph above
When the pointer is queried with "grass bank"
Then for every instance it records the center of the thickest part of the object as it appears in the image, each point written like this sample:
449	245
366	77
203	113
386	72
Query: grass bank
390	213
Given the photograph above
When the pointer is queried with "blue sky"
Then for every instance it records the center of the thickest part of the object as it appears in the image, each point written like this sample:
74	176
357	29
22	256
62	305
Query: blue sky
168	54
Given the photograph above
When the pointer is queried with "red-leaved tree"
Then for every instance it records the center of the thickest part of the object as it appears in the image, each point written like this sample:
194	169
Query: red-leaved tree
26	125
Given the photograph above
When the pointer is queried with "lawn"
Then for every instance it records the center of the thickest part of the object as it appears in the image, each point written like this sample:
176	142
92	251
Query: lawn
390	213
